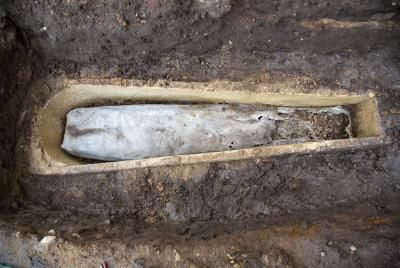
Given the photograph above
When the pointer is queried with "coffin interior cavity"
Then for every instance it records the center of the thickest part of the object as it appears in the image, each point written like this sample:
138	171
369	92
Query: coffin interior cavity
47	157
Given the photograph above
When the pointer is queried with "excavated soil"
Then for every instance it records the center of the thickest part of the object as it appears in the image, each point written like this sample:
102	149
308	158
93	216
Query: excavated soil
328	209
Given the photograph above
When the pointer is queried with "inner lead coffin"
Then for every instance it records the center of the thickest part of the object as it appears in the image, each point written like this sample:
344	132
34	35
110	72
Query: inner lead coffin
128	132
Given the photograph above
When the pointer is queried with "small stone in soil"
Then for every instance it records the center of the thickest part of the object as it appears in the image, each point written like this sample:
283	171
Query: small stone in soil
99	236
45	242
76	236
15	205
178	257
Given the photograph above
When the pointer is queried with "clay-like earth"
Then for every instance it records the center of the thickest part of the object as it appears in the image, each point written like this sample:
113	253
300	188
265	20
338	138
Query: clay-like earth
331	209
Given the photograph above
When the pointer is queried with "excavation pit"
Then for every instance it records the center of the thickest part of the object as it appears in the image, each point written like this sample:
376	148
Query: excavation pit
360	124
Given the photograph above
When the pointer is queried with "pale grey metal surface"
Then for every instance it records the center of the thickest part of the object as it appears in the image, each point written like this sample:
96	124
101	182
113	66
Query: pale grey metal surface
141	131
129	132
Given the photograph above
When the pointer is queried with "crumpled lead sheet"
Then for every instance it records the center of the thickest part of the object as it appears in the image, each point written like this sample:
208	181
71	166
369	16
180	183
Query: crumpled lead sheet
127	132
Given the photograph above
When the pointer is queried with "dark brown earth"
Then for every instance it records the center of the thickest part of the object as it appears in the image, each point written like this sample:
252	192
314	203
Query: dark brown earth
274	212
329	127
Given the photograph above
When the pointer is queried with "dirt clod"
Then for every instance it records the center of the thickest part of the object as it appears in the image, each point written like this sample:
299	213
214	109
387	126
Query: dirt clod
275	258
214	8
121	20
329	127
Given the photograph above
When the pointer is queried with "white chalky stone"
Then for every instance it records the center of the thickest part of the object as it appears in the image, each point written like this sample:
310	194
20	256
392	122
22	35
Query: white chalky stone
140	131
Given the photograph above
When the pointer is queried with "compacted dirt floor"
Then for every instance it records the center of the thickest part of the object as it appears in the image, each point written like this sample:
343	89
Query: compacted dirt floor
332	209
